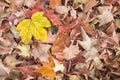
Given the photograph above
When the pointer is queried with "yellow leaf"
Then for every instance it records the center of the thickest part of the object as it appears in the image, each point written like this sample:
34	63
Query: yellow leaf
47	69
34	27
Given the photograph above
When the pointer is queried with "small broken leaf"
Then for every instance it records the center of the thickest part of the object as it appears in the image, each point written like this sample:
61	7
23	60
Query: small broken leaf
54	3
87	42
105	15
58	66
24	48
33	27
117	22
71	51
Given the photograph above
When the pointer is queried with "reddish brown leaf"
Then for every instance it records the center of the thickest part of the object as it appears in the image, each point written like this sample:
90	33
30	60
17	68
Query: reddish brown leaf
88	28
54	18
59	45
54	3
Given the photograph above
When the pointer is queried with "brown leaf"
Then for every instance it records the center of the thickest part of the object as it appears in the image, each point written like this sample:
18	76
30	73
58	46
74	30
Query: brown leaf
40	51
88	28
54	3
54	18
59	45
50	37
89	5
71	51
11	61
3	70
29	3
105	15
27	70
111	1
87	43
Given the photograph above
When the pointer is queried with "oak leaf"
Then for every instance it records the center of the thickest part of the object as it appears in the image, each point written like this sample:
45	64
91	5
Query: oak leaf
33	27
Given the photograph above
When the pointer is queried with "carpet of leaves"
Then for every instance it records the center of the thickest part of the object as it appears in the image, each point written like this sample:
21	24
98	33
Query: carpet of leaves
83	42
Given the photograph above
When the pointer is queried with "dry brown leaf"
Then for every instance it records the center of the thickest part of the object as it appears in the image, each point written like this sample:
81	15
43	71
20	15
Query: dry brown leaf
54	3
29	3
58	66
4	71
105	15
88	28
87	43
62	9
71	51
40	51
11	61
89	5
59	45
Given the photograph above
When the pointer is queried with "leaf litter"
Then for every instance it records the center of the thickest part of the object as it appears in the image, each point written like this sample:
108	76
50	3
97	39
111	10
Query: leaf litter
60	40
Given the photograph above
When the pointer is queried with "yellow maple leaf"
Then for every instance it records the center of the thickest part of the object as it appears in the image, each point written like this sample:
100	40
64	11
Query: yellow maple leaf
34	27
47	69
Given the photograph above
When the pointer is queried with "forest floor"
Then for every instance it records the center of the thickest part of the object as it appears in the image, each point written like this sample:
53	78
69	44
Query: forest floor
59	39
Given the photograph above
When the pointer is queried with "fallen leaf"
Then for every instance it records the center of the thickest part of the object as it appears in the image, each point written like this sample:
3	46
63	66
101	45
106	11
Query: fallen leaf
7	43
117	22
14	31
58	66
73	77
54	18
105	14
77	3
34	27
50	37
73	13
80	1
4	71
98	63
24	48
59	45
62	9
87	42
47	69
54	3
28	70
36	7
111	1
40	51
89	5
29	3
90	54
88	28
71	51
11	61
117	50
